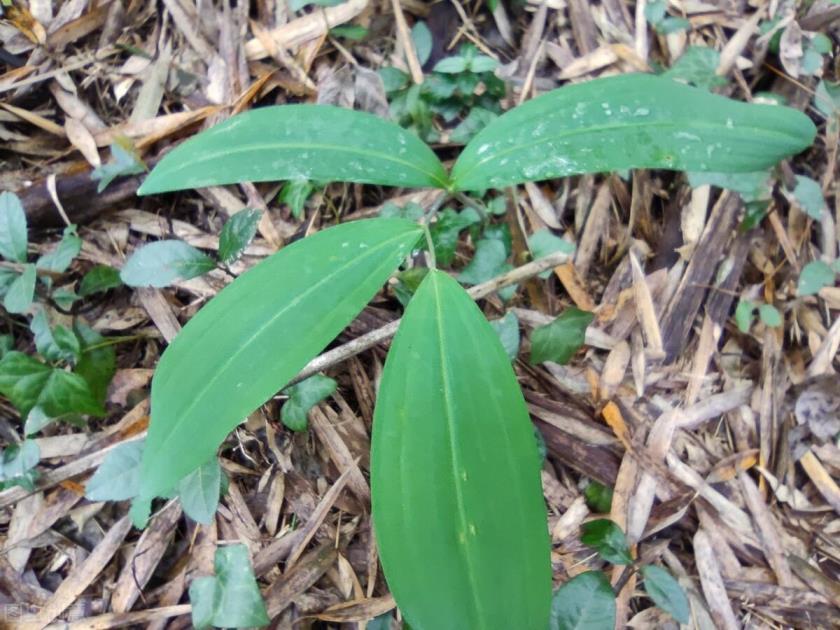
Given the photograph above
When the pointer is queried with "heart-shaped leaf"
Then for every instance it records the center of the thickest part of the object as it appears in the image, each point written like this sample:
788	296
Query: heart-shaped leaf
629	121
294	142
457	501
257	334
586	602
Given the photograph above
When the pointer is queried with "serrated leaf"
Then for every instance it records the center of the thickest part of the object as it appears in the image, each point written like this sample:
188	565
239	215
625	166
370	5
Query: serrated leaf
607	539
161	263
302	397
27	382
237	233
809	196
629	121
314	142
586	602
118	476
559	340
666	592
248	342
100	278
199	492
231	598
508	330
13	236
814	276
543	243
63	253
488	262
439	450
21	292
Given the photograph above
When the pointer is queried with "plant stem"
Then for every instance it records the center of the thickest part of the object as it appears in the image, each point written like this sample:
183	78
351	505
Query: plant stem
369	340
472	203
430	254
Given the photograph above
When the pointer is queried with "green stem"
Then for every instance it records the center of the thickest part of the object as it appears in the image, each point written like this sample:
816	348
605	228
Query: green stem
113	341
475	205
431	246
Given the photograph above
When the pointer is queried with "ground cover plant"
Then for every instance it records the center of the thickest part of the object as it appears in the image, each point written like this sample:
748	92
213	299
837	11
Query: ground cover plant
457	503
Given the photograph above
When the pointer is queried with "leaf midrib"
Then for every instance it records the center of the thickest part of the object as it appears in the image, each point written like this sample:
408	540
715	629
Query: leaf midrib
454	459
268	323
308	146
596	129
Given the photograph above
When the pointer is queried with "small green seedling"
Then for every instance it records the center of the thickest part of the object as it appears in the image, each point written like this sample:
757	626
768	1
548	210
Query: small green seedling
455	477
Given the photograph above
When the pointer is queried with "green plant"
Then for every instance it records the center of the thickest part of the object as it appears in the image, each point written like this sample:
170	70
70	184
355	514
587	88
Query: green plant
457	501
72	366
588	600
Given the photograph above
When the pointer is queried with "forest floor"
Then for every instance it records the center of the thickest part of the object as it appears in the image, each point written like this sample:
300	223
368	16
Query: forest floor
701	415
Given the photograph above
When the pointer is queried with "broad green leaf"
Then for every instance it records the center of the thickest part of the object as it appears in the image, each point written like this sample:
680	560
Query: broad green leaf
62	255
586	602
27	382
598	497
411	211
21	292
7	342
488	262
199	492
315	142
97	362
814	276
393	79
698	66
559	340
421	37
294	194
13	237
770	315
508	330
7	279
543	243
257	334
827	98
351	32
808	195
629	121
100	278
607	539
237	234
123	162
302	397
118	476
666	592
451	431
161	263
231	598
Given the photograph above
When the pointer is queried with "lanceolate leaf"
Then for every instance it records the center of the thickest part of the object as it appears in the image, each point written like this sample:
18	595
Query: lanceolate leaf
314	142
631	121
457	502
258	333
